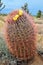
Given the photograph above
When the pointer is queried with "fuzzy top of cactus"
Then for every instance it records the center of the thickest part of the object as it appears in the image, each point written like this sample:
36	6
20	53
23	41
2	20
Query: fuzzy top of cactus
20	34
20	12
14	17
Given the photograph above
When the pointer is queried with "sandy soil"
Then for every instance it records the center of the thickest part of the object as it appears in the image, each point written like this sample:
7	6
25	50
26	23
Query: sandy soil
38	60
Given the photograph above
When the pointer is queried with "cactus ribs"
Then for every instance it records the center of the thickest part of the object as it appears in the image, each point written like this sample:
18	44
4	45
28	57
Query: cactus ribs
20	35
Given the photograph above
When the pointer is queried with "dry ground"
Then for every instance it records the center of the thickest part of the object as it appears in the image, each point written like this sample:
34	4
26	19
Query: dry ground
39	24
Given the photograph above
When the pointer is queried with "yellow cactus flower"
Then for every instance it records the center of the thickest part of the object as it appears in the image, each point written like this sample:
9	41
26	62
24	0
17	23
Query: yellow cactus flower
15	17
20	12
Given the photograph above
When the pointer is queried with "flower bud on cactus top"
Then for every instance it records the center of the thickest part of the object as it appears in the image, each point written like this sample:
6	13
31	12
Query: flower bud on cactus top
20	35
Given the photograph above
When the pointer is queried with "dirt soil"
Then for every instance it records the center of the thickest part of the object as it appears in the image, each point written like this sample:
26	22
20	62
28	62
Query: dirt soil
38	60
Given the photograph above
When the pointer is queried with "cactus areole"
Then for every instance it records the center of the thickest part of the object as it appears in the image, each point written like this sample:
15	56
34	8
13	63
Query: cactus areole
20	34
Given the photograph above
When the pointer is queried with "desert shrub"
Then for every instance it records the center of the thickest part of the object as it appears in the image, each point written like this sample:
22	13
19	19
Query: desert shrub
39	14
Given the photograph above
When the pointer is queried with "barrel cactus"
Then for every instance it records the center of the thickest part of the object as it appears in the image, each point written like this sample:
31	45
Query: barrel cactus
20	35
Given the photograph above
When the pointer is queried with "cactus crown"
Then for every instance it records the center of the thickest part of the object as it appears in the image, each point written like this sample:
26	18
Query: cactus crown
20	12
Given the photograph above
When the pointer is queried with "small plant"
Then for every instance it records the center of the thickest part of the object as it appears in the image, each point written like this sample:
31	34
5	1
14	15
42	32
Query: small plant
25	7
1	8
39	14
